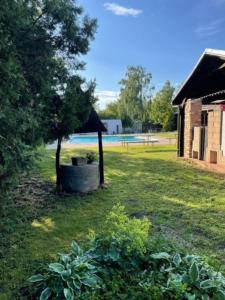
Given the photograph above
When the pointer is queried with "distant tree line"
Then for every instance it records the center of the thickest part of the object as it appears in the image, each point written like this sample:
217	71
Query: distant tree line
137	103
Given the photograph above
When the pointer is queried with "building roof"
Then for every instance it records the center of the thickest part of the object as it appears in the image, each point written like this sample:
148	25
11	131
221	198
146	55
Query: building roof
93	124
207	77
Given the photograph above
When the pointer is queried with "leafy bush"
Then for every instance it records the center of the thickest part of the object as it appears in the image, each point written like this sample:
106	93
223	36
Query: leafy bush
129	234
91	157
72	275
120	264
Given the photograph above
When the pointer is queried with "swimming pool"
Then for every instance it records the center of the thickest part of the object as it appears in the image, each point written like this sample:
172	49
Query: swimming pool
93	139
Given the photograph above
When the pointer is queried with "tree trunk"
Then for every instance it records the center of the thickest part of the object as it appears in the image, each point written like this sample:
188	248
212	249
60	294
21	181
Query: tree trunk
57	165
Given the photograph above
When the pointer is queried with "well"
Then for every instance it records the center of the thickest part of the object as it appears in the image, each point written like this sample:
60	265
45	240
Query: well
80	179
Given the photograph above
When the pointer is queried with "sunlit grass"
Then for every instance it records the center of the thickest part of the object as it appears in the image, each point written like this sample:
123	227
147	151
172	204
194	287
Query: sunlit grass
183	202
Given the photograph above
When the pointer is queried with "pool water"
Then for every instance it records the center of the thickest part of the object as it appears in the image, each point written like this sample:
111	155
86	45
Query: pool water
93	139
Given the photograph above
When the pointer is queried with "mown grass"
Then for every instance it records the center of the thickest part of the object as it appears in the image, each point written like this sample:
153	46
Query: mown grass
185	204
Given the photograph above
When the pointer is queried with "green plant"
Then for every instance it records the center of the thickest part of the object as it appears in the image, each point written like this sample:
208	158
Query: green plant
184	277
71	276
129	233
121	264
91	157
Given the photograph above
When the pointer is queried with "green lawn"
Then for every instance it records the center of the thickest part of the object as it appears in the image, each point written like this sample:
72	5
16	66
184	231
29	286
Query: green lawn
185	204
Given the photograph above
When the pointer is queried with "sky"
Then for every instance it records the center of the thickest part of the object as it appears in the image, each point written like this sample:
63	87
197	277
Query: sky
166	37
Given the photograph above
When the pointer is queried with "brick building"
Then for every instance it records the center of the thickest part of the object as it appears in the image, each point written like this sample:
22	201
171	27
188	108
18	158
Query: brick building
201	105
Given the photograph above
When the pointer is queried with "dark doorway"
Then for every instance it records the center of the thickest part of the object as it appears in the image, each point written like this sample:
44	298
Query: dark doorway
203	135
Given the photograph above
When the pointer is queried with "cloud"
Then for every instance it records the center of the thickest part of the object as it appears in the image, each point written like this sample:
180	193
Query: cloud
210	29
106	97
119	10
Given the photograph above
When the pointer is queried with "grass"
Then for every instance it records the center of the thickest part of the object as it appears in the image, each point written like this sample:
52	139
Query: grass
167	134
184	203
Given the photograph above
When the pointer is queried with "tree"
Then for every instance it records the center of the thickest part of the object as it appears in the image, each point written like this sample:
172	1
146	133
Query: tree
135	93
110	112
40	43
162	110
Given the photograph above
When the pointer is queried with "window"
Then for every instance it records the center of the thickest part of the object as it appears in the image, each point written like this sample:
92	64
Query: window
204	118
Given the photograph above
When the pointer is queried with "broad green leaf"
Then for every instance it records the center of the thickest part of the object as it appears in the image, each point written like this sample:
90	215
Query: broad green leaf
161	255
221	295
114	255
46	293
66	274
205	297
177	260
91	282
207	284
65	258
36	278
194	272
76	249
68	293
191	296
56	267
77	284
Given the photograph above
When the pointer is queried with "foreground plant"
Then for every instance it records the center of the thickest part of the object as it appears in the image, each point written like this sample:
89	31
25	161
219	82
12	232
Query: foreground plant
72	275
120	264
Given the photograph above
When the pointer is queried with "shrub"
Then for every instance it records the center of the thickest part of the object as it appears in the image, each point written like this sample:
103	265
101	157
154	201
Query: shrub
91	157
120	264
129	234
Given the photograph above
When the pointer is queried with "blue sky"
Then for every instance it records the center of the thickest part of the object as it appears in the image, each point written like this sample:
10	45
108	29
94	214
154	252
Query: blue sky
166	37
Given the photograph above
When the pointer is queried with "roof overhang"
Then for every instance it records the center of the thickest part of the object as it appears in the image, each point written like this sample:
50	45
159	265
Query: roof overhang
207	77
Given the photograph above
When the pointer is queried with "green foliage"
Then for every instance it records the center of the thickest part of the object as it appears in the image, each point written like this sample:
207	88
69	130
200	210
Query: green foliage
71	276
161	109
110	112
40	44
120	263
135	95
129	234
91	157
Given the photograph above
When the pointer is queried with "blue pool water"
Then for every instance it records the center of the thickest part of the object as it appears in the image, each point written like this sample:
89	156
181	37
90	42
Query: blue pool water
91	139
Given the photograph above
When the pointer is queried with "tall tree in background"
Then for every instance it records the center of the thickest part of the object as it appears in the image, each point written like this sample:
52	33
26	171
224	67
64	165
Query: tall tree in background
135	94
110	111
162	110
40	43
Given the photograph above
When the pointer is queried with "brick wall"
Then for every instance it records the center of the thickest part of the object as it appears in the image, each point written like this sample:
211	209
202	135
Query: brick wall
214	134
196	142
193	110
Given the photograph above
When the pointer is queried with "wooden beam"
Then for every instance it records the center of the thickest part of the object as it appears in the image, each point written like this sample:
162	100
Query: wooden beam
101	158
181	116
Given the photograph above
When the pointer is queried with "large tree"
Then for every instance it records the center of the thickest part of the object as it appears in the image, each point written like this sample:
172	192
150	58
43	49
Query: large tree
40	45
110	111
135	93
162	111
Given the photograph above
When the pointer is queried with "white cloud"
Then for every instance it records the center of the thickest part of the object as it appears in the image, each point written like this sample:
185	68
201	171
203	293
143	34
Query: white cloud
210	29
106	97
121	10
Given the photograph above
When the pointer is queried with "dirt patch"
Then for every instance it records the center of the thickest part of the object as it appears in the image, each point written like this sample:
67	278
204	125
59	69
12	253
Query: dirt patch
175	235
33	192
140	214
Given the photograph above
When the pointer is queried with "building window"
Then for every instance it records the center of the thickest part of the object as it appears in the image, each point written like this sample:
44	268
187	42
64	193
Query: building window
204	118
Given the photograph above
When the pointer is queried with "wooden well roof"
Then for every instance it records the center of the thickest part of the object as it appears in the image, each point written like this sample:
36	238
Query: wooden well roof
93	124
